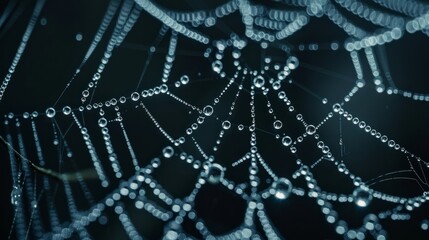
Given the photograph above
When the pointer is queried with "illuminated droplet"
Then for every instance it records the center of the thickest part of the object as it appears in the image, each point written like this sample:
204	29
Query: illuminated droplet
362	197
102	122
184	79
168	152
217	66
277	124
50	112
258	81
282	188
226	125
310	129
208	110
215	173
66	110
287	141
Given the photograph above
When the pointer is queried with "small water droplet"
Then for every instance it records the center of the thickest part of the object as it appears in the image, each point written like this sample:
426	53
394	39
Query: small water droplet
168	152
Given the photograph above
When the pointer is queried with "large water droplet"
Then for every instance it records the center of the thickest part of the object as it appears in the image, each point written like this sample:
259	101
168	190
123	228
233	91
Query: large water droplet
102	122
292	62
66	110
50	112
226	125
217	66
259	81
287	141
310	129
277	124
168	152
184	79
362	197
336	107
281	188
215	173
208	110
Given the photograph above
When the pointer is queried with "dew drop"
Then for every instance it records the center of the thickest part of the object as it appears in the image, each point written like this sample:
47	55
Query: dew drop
336	107
310	129
287	141
259	81
184	79
281	188
50	112
217	66
168	152
277	124
208	110
102	122
226	125
324	101
362	197
215	173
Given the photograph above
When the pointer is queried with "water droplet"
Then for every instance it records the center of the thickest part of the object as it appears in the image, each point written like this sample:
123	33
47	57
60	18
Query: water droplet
135	96
292	62
287	141
281	188
277	124
341	167
226	125
168	152
217	66
102	122
336	107
259	81
79	37
15	195
208	110
184	79
324	101
215	173
50	112
310	129
425	224
362	197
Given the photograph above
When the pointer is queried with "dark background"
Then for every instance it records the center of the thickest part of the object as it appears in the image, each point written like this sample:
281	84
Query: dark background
53	54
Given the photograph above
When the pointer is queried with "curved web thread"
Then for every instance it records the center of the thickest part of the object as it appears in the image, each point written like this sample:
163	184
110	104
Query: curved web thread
266	89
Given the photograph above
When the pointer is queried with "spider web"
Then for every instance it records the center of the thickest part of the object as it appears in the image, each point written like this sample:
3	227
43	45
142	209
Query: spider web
232	120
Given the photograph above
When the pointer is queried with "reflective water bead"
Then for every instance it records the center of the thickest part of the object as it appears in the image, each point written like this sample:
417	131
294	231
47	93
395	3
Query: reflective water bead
217	66
310	129
258	81
102	122
336	107
226	124
277	124
135	96
184	79
292	62
50	112
362	197
214	173
281	188
208	110
168	152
